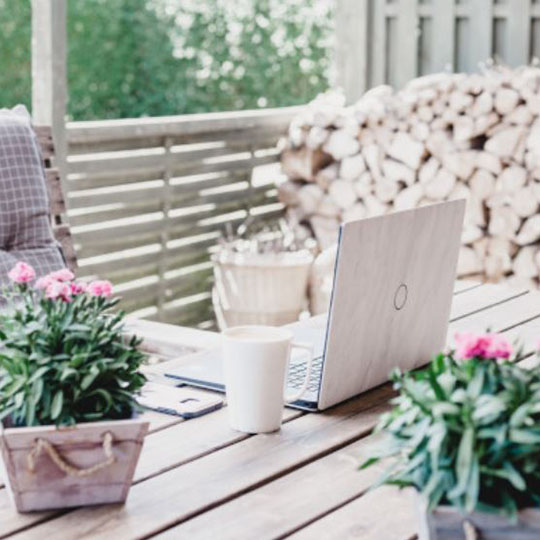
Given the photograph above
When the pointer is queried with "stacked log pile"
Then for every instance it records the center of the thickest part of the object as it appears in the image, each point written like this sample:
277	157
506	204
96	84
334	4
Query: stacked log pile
442	137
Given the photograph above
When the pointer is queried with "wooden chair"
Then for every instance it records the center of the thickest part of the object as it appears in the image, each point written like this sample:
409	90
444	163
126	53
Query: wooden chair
60	227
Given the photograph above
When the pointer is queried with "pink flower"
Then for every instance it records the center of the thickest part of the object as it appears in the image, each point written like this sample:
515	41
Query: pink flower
44	282
78	287
488	346
100	288
62	275
58	290
22	273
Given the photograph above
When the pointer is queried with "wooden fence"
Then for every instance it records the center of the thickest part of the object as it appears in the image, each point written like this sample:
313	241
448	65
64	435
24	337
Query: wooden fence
393	41
148	199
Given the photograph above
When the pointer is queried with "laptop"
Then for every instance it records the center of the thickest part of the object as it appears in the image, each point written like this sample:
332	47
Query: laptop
393	283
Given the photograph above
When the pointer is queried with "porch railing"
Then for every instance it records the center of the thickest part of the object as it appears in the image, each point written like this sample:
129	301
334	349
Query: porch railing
148	199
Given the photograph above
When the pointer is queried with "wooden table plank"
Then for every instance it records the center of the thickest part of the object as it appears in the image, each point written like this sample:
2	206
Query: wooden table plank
463	285
187	442
501	316
478	298
208	480
285	505
385	513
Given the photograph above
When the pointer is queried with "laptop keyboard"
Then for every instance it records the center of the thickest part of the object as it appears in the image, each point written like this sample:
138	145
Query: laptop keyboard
297	374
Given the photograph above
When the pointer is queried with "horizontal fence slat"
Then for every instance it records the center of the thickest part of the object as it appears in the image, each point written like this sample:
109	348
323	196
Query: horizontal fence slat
192	124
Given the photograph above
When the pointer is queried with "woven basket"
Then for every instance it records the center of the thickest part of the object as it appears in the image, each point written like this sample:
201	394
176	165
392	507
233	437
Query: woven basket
268	288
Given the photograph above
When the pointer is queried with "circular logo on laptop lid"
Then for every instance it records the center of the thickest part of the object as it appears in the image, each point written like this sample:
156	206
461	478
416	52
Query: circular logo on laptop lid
400	296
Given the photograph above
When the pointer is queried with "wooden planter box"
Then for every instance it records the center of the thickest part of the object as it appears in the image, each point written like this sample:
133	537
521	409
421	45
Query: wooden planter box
447	523
46	467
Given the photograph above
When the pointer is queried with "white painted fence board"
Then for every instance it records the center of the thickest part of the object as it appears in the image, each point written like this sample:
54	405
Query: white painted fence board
352	21
481	32
519	32
378	43
411	37
407	42
444	30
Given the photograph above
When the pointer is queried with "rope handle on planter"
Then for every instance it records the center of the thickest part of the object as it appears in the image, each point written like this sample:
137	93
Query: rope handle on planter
50	450
470	531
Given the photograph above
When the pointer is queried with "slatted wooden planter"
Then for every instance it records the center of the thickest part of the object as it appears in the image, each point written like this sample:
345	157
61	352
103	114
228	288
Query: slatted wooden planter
46	467
447	523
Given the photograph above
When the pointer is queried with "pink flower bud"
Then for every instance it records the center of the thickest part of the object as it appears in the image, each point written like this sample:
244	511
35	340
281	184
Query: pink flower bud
101	288
22	273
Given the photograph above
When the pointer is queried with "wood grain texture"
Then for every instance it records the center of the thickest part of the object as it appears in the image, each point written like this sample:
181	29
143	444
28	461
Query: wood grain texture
292	502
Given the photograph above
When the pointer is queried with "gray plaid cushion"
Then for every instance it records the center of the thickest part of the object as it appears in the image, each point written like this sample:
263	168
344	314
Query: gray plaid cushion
25	228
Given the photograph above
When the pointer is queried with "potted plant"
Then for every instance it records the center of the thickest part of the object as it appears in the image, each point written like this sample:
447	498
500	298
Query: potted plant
69	377
465	433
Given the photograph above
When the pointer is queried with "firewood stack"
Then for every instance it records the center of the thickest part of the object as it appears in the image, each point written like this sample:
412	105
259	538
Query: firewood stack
442	137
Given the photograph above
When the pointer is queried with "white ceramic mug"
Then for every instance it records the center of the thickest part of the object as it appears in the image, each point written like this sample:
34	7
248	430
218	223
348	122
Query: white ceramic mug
256	359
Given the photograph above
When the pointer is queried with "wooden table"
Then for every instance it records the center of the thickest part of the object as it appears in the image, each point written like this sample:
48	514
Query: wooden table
199	479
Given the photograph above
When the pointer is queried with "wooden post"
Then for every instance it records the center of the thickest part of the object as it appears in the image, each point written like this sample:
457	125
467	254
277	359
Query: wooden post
164	236
352	47
49	81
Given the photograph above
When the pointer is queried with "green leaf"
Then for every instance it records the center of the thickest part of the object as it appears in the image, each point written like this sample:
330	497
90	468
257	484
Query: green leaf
473	489
487	409
37	391
463	463
520	414
30	413
514	477
524	436
475	386
88	380
76	327
368	463
56	405
39	373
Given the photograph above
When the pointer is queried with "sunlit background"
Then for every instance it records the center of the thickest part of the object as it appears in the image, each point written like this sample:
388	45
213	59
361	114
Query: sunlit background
131	58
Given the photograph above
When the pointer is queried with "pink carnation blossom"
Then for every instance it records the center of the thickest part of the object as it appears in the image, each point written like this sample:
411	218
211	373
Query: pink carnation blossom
22	273
100	288
44	282
62	275
58	290
488	346
78	287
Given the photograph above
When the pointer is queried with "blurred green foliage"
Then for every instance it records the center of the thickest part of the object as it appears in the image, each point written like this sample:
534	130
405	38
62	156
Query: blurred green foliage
130	58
